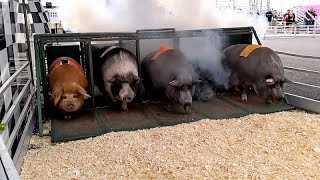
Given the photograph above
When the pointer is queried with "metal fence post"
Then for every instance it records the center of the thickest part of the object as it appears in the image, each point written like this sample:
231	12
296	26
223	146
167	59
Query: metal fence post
314	30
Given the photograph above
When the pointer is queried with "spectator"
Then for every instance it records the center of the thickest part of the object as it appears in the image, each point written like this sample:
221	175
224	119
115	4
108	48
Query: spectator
274	17
310	15
286	16
269	15
292	17
289	17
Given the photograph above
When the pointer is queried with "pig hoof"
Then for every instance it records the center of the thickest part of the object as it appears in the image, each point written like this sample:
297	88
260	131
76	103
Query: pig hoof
244	98
168	108
125	108
187	109
67	117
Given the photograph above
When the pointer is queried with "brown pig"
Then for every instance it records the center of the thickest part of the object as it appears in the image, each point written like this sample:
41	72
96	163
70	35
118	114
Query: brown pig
68	85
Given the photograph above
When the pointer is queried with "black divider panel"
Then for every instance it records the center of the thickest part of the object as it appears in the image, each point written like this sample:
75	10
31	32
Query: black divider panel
54	52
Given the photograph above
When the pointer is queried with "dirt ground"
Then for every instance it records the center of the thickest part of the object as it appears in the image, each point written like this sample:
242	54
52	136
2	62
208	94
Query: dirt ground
284	145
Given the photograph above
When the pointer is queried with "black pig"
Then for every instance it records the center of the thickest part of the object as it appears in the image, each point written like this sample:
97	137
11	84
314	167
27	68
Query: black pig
262	69
168	75
117	74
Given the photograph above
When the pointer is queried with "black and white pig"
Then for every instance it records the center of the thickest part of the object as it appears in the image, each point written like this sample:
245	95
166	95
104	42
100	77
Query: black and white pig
116	74
262	69
170	77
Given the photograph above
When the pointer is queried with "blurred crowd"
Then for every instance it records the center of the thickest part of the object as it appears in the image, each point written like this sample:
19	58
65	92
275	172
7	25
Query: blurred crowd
277	18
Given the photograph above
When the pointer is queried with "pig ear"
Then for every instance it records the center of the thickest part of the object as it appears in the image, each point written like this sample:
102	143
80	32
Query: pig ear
270	81
136	79
56	95
174	83
83	92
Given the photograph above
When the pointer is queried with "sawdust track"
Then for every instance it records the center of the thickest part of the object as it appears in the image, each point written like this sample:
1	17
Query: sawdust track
273	146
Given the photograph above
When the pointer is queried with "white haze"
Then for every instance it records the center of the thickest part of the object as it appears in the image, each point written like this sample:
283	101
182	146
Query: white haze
207	57
130	15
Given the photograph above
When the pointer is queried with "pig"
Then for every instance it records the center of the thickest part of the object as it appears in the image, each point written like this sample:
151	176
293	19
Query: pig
169	76
117	75
204	90
262	69
68	85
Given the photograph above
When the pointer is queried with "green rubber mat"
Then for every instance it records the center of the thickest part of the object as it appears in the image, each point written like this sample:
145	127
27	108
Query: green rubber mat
95	122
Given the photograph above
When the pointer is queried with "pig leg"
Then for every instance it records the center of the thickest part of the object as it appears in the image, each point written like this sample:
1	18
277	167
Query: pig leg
244	95
234	80
168	108
187	109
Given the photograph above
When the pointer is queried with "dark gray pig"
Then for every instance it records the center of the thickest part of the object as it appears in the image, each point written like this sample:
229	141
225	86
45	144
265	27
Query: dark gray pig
204	90
116	74
262	69
169	76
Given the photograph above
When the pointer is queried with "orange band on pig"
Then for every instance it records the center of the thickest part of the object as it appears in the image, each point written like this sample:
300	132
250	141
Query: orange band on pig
160	51
58	63
249	49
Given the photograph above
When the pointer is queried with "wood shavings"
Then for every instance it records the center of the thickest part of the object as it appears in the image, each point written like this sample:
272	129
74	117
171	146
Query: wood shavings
284	145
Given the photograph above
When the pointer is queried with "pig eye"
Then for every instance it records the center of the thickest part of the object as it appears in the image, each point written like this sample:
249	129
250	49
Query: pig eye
76	96
64	97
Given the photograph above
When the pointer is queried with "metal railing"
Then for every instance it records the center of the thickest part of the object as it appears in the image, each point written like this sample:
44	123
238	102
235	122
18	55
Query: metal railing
292	31
239	35
8	170
17	131
302	102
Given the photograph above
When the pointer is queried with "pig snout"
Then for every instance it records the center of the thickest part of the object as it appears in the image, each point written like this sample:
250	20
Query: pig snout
206	94
185	99
271	94
128	99
70	106
126	93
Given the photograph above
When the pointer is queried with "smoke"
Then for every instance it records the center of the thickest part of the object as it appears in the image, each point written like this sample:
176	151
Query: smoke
205	54
130	15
